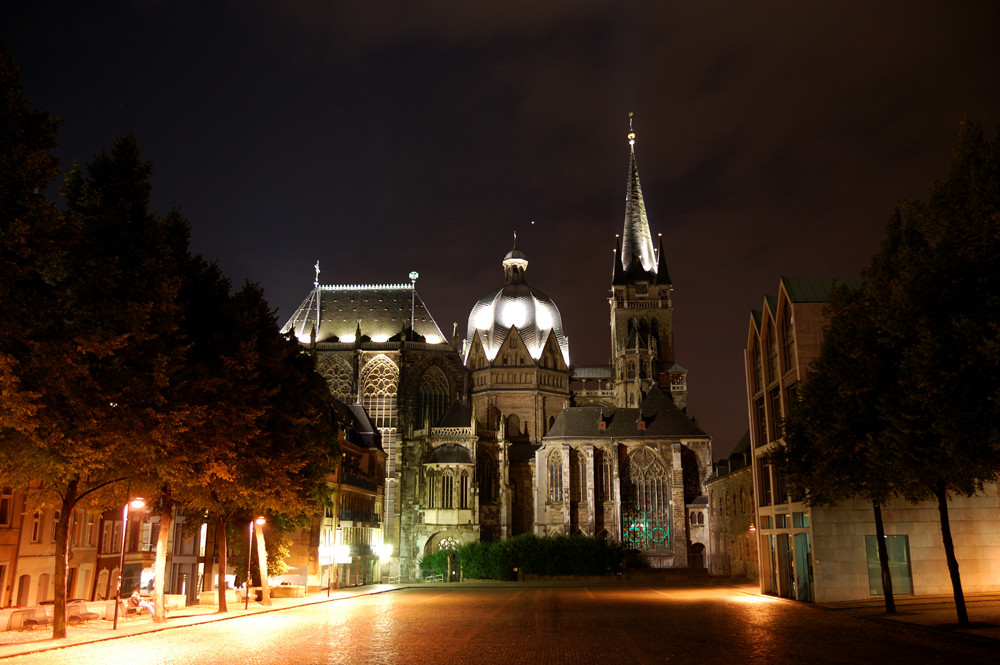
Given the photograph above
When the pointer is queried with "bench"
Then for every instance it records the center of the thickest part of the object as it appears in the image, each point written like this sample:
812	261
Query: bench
78	612
33	617
434	578
393	579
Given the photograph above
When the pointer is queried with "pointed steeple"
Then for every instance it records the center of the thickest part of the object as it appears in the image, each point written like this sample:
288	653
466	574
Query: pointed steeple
637	244
662	275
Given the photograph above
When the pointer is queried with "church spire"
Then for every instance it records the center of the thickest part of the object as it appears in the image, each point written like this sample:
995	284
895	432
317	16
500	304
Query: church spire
637	244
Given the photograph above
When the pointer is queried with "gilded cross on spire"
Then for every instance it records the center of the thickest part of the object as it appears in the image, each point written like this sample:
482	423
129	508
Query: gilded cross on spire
316	280
631	132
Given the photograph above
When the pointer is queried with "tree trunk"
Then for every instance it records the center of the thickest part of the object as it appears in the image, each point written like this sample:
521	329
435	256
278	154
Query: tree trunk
162	545
62	559
883	557
265	591
220	540
949	550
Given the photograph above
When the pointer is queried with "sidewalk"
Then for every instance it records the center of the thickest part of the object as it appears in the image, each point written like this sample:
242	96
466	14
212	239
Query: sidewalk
16	643
935	613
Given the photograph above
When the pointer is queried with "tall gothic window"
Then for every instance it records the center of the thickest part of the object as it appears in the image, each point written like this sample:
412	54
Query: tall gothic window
578	476
758	365
602	476
463	491
486	470
432	490
555	476
645	501
432	397
448	489
379	382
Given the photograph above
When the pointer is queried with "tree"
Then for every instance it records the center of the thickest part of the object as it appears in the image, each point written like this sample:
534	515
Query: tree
936	281
922	375
835	435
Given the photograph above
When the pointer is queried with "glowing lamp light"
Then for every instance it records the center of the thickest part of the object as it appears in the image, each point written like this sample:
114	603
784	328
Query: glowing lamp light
349	339
342	554
433	339
543	317
380	338
753	528
384	551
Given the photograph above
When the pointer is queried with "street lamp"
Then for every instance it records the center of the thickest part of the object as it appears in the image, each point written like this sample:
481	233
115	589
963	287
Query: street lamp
413	299
260	520
135	504
384	553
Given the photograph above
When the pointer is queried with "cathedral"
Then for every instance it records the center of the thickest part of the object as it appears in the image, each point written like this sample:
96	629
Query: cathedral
497	434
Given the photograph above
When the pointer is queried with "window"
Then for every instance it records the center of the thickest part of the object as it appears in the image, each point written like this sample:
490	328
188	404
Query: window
645	502
432	490
787	339
463	491
56	515
774	407
578	478
486	469
6	506
36	527
432	398
772	354
106	539
898	549
602	476
760	422
378	395
447	489
555	476
758	367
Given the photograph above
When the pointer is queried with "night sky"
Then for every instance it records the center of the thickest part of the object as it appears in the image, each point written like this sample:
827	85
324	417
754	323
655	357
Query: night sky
773	138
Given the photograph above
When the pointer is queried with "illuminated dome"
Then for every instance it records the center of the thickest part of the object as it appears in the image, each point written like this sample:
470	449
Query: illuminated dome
516	305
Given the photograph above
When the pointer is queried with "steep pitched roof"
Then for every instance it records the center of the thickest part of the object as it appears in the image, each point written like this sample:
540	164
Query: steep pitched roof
659	416
382	309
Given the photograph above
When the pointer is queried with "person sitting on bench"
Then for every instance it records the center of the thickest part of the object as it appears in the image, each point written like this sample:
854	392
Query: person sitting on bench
139	603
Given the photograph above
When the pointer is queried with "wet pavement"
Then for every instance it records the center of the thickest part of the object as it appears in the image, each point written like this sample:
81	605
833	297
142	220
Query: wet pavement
534	622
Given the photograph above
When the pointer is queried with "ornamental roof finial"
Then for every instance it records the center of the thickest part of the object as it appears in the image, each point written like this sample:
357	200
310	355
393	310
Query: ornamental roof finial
631	132
316	280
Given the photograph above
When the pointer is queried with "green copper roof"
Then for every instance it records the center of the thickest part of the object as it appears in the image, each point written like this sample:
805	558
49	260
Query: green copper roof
815	289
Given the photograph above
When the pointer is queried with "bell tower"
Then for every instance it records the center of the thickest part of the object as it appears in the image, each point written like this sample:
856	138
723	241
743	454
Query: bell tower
642	325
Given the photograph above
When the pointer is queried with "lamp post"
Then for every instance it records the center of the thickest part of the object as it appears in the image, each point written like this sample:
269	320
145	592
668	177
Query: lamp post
413	298
384	553
246	597
136	504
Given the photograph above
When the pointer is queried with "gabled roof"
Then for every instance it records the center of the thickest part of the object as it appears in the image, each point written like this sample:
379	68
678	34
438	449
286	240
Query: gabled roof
660	418
357	425
457	415
815	289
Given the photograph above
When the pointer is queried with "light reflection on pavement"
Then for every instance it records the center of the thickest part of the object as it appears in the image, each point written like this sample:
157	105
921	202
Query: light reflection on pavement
541	624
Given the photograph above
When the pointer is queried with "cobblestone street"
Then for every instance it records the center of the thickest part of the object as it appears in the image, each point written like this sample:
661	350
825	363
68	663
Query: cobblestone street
538	624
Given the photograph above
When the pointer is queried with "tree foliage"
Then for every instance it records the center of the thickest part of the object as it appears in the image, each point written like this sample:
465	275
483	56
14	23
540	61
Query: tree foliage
904	396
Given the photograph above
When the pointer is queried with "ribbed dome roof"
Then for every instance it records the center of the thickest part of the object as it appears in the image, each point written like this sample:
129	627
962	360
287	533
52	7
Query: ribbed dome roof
516	305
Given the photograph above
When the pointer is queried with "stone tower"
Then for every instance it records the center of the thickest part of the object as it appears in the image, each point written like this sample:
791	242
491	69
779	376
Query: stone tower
642	329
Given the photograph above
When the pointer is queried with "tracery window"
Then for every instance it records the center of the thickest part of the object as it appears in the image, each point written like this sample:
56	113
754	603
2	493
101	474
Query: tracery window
645	501
555	476
631	369
339	377
432	397
379	383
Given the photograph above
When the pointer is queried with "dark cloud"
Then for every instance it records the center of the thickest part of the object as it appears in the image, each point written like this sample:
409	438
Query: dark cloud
382	137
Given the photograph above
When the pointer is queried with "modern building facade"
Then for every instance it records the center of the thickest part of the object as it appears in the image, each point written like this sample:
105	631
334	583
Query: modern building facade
827	554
